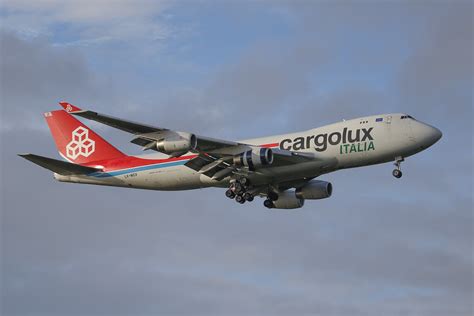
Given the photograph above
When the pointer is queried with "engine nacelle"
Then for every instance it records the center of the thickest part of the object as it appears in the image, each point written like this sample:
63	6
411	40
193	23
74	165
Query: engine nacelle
256	157
287	200
177	143
314	190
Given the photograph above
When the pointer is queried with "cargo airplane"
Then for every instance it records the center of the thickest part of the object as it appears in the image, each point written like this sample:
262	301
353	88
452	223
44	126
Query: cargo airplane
282	169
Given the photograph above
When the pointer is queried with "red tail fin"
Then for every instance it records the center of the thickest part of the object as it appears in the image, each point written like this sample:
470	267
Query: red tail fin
77	142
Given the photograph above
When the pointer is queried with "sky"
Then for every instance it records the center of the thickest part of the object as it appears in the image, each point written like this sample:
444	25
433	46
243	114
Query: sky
237	70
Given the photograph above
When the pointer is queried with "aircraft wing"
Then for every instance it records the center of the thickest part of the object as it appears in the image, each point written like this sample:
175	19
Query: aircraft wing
214	155
126	126
145	134
218	166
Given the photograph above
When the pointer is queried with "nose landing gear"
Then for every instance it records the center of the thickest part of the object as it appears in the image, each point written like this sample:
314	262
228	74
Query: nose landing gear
397	173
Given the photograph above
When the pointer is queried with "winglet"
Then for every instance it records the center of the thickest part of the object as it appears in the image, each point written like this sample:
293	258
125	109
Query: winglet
69	107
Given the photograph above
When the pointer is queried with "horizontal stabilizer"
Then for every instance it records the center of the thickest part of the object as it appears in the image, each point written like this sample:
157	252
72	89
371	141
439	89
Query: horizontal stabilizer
58	166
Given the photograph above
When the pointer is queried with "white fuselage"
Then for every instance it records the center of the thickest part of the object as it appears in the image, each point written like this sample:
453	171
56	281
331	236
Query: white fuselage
347	144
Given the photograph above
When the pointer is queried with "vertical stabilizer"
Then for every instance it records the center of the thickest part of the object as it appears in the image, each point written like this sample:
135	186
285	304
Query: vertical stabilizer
76	142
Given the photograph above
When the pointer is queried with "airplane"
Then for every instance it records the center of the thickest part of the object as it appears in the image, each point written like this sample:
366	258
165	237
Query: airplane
283	169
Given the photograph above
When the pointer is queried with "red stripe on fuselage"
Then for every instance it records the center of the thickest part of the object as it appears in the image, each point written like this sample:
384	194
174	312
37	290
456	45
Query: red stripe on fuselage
132	162
270	145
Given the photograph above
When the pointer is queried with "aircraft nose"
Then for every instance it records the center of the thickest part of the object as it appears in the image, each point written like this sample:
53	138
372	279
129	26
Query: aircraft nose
428	135
436	134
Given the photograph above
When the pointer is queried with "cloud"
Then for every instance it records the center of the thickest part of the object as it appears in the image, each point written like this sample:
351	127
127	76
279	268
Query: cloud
269	78
87	10
90	21
35	76
437	75
377	246
33	73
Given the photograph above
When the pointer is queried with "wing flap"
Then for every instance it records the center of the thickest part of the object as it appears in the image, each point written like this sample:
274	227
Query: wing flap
285	157
210	166
211	144
198	162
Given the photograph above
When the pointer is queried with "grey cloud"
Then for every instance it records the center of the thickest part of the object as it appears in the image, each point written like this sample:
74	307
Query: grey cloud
258	84
101	22
353	100
293	73
235	97
378	246
35	77
82	11
269	75
438	75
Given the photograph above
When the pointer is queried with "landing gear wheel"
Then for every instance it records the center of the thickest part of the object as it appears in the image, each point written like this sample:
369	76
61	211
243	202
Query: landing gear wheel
237	188
268	203
397	173
240	199
244	181
230	194
248	197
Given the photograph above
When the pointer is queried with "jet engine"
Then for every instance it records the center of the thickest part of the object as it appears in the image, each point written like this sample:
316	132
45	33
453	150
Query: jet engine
177	143
286	200
254	158
314	190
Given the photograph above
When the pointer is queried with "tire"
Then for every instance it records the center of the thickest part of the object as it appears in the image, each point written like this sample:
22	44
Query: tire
240	199
244	181
397	173
248	197
268	203
230	194
237	188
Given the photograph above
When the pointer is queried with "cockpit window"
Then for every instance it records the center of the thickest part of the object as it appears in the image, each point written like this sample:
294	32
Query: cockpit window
406	116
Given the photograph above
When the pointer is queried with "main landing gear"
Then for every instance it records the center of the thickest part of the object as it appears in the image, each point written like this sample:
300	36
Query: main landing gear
268	203
239	190
271	197
397	173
